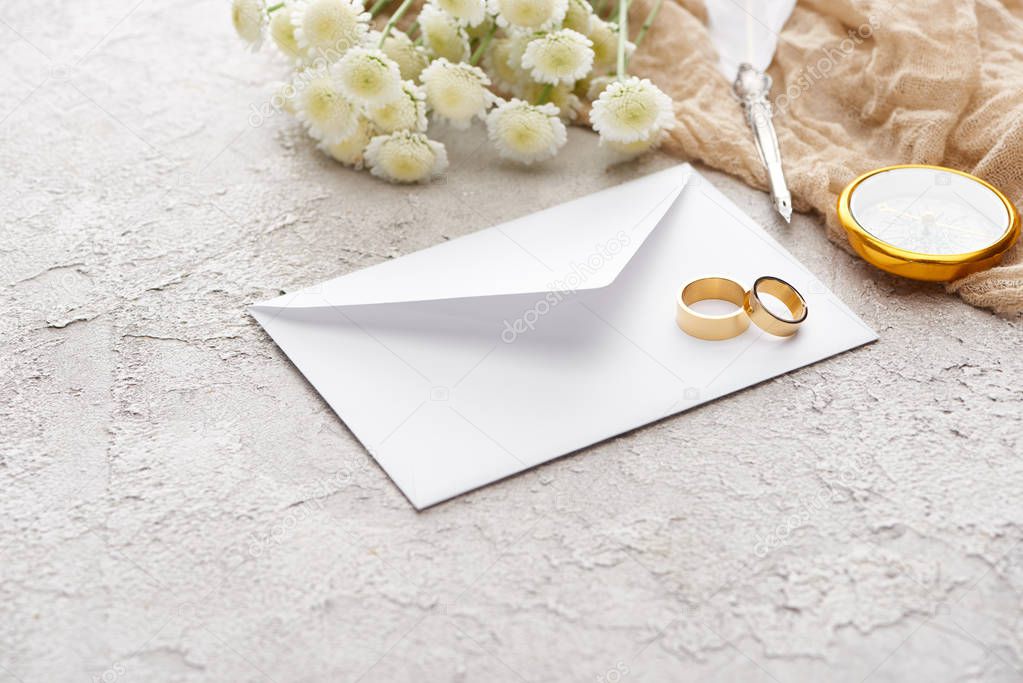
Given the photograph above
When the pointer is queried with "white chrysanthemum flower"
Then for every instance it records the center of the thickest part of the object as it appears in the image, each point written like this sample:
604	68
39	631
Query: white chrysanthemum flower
351	150
248	17
631	110
578	16
282	30
443	35
526	132
327	29
457	92
536	15
410	58
405	112
563	56
368	77
327	114
467	12
405	157
505	73
604	35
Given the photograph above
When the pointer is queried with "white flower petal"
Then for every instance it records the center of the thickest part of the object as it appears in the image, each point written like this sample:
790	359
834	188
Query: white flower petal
405	112
319	104
578	16
368	76
505	73
410	58
442	34
604	35
327	29
457	92
282	30
563	56
350	150
631	110
467	12
536	15
249	17
405	157
526	132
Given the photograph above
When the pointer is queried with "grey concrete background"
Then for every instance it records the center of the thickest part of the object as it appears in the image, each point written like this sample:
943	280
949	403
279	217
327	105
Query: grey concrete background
178	504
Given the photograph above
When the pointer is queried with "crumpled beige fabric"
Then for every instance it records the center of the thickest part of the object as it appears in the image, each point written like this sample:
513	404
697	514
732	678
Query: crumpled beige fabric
861	84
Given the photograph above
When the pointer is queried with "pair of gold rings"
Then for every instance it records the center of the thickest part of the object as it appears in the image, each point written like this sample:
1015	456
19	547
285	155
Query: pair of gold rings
751	308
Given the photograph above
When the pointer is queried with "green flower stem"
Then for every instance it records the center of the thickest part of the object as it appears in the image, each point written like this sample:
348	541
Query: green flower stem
398	13
377	6
649	22
598	8
273	8
412	29
484	44
545	94
623	36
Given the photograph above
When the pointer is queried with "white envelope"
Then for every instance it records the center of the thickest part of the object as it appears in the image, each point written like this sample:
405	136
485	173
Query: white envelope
489	354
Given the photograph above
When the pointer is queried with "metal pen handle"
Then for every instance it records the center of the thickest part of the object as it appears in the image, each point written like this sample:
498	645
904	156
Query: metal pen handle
752	87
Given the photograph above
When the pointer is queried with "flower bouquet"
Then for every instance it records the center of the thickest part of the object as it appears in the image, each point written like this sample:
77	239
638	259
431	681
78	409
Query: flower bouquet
366	90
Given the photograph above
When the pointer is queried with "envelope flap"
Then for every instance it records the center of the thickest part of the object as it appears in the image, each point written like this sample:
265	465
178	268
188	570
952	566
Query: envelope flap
581	244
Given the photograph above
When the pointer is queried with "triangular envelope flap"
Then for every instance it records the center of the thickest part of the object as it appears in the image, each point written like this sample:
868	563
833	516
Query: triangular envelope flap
581	244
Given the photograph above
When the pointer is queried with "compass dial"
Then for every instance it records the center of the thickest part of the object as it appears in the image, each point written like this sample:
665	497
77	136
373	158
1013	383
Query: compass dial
929	211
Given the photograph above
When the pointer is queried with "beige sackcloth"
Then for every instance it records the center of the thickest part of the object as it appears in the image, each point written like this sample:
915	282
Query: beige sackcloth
860	84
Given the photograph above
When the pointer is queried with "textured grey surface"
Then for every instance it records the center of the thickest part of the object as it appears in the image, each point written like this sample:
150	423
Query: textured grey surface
179	505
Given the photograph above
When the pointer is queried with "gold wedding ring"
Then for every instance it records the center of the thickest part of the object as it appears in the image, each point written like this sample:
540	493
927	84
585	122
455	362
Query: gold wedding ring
764	318
712	327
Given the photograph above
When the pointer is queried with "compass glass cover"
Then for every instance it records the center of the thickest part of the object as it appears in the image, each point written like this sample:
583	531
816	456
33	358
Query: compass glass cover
929	211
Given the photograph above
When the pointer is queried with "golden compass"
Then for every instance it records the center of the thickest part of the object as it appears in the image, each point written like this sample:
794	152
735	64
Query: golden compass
927	222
